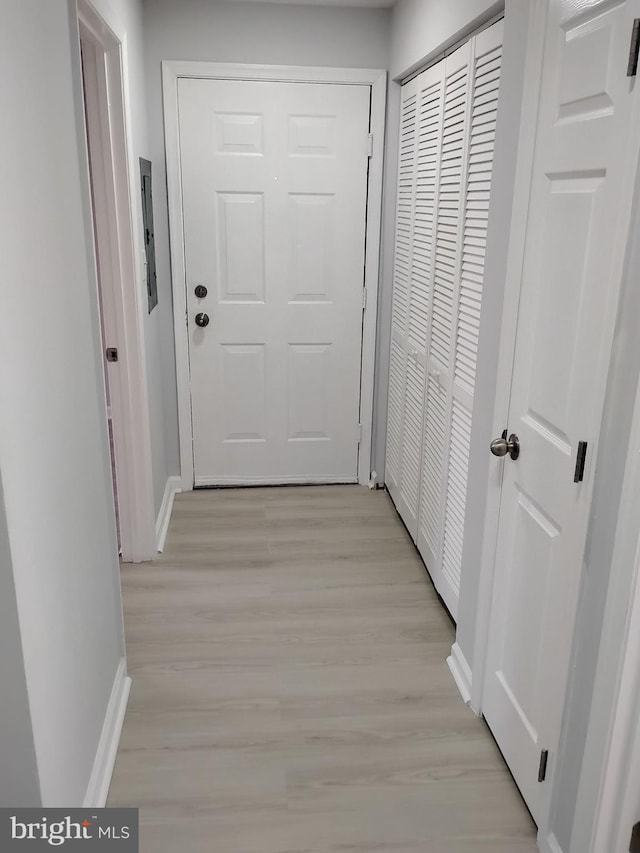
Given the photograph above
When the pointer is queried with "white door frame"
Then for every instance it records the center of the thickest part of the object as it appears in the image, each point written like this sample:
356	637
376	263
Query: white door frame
376	79
472	684
515	262
121	273
609	792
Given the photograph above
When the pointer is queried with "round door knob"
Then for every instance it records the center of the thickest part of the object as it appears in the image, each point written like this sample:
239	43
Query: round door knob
202	320
503	446
200	291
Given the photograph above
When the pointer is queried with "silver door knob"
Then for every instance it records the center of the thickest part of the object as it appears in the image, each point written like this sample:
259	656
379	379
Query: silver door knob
503	445
202	320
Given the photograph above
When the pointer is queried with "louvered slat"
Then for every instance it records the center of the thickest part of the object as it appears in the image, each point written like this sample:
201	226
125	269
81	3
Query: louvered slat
412	436
448	216
404	213
435	442
394	415
484	105
429	127
401	286
458	468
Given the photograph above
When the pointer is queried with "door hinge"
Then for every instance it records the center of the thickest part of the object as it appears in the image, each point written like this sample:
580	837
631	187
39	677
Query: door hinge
634	844
112	353
634	47
364	298
359	433
542	769
581	458
370	145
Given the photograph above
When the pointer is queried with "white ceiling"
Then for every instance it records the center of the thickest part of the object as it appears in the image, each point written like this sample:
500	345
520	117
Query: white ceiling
369	4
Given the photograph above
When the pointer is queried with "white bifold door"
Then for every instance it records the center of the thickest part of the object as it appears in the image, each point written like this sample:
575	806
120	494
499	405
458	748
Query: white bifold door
274	191
447	136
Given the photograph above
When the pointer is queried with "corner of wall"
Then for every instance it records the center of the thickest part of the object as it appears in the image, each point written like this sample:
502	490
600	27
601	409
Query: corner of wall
19	781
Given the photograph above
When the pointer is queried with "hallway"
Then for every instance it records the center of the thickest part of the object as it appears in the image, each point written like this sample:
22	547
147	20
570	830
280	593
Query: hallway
290	691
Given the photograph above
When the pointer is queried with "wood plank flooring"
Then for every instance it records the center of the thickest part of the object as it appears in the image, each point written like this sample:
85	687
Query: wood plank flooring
290	692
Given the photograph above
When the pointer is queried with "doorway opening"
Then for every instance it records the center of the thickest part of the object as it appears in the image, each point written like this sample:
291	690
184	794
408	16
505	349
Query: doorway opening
119	276
295	367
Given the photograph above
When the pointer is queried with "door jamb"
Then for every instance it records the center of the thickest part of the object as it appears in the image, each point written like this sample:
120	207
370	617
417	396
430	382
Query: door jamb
515	264
172	71
614	720
121	275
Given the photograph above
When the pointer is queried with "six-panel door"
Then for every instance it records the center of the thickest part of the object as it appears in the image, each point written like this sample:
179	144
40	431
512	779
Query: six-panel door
274	187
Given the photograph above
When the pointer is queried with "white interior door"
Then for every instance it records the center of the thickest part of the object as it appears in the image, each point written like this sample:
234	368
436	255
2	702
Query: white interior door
583	169
274	187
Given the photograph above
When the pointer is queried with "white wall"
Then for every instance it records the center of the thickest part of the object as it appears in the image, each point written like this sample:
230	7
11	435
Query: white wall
259	33
125	18
422	28
54	457
19	785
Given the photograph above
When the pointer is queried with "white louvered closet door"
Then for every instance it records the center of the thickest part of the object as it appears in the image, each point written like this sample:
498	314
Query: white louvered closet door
484	84
414	280
401	283
437	421
453	155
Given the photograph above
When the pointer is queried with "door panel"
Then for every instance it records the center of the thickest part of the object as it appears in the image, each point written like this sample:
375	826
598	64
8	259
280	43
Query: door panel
459	379
243	398
274	183
449	478
241	247
577	221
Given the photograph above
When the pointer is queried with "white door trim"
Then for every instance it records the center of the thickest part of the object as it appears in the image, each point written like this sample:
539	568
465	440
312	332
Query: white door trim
608	797
107	126
373	78
515	262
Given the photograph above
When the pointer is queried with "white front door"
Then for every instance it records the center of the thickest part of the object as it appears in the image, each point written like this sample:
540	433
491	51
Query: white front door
581	183
274	189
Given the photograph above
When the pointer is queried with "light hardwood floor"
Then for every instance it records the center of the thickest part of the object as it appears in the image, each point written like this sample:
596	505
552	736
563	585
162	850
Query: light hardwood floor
290	691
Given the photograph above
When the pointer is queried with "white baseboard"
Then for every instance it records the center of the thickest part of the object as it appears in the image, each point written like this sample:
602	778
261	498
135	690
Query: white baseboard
461	672
171	488
549	844
274	481
98	787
